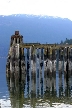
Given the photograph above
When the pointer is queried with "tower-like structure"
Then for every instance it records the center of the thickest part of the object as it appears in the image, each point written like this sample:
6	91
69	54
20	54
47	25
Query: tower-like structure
16	38
15	60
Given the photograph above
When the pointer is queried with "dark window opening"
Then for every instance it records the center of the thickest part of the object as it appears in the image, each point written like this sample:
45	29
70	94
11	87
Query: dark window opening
12	38
16	40
19	40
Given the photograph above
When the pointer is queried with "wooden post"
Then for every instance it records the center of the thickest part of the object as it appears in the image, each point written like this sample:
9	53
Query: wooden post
28	66
42	72
57	73
67	67
37	72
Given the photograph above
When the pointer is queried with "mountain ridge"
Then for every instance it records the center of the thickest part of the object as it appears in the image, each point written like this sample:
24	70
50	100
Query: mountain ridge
31	15
35	28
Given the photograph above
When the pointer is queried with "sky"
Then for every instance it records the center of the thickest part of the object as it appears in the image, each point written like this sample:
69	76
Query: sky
56	8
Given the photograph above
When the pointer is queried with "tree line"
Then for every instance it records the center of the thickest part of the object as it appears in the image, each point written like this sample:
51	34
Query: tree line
67	41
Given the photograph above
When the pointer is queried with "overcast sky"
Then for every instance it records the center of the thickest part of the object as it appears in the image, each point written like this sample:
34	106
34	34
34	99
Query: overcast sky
60	8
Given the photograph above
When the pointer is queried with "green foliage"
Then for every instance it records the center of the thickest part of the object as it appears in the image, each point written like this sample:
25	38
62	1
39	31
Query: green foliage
67	41
61	42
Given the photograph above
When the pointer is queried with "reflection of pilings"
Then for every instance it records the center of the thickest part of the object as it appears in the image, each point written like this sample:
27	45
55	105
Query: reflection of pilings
16	91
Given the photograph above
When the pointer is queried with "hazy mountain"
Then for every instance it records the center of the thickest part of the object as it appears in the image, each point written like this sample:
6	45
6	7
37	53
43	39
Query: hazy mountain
35	28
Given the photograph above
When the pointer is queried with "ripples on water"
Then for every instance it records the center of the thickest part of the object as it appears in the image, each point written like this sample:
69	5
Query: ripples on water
50	90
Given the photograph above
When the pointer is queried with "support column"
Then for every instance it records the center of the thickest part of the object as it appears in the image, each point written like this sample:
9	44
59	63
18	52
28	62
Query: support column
14	41
57	73
51	53
18	40
37	73
28	66
11	70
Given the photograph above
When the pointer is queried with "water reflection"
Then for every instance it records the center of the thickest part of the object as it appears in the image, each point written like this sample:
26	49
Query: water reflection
47	90
16	91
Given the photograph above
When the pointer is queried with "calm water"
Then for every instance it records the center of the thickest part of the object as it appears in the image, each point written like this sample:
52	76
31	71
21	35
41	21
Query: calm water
41	91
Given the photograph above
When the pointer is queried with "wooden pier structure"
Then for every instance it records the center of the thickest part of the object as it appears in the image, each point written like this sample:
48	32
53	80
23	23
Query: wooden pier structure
25	56
28	71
